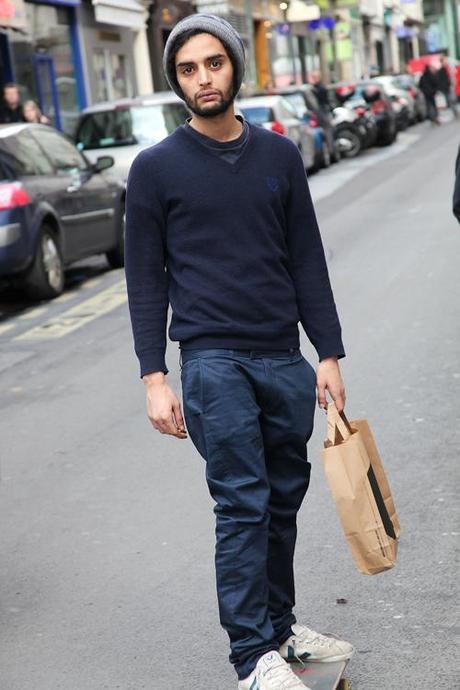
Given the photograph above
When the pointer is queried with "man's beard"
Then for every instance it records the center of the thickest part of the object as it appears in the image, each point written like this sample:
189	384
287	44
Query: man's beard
213	110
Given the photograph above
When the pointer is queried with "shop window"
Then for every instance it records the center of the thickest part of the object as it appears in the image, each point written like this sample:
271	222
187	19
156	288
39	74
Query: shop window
112	80
48	36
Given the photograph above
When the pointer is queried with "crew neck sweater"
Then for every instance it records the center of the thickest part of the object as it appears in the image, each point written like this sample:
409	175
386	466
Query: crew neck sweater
229	151
234	249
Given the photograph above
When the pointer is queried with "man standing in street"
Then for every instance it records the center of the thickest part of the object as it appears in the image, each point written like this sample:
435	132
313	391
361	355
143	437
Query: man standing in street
428	85
11	108
445	84
220	225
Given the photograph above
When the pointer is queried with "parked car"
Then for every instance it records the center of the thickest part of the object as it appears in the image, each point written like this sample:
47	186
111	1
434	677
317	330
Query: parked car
349	129
366	122
407	83
403	102
276	114
55	208
303	100
382	109
123	128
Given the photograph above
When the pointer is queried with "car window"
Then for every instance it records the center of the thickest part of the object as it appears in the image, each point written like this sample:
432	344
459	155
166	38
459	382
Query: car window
258	115
22	156
63	155
286	110
141	125
298	103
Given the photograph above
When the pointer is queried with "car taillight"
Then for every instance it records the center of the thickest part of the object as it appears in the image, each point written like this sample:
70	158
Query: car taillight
403	101
360	111
378	107
278	128
313	121
413	92
13	194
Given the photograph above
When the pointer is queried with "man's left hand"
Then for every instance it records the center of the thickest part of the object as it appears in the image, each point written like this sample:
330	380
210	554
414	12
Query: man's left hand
329	378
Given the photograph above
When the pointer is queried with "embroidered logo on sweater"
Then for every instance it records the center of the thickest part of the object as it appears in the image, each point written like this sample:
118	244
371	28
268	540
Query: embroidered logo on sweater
273	184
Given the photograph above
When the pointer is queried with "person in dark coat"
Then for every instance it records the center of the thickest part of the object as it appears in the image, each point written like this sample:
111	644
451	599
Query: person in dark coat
429	87
11	108
445	84
456	200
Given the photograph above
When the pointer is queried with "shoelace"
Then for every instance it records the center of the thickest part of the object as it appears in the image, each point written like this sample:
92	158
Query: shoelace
313	637
281	678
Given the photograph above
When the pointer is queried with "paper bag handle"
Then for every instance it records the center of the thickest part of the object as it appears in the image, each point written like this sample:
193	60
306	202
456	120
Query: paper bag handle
337	421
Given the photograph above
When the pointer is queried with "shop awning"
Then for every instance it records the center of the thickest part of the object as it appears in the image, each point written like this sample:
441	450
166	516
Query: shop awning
13	14
128	13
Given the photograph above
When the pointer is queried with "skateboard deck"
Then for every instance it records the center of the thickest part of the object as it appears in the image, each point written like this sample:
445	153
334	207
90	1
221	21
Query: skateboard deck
326	676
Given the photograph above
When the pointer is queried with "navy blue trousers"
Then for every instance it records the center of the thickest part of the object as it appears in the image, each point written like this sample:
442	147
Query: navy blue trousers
250	415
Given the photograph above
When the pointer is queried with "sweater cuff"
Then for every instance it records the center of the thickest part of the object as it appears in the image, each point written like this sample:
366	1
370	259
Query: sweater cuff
331	347
153	361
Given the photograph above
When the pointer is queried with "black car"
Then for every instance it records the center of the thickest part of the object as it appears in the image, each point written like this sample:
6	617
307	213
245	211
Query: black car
55	208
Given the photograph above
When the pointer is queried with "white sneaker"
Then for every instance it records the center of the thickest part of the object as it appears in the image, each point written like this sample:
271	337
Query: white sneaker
308	645
272	673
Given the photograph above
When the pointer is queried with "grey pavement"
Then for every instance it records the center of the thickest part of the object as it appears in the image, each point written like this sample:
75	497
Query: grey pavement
106	539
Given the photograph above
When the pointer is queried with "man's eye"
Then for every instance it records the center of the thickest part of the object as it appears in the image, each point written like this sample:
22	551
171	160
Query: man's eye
187	70
216	63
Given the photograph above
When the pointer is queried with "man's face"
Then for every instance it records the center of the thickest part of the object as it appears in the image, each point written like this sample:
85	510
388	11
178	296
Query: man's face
11	96
205	74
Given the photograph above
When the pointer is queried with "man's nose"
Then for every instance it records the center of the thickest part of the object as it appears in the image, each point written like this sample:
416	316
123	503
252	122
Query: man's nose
204	75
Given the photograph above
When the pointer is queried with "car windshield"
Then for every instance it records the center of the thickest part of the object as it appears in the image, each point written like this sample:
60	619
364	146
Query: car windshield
297	101
257	115
141	125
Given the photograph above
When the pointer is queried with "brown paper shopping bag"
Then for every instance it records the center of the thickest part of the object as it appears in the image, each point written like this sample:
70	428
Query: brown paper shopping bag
361	492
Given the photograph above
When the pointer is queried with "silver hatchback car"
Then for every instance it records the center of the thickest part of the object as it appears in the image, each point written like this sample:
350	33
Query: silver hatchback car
277	114
123	128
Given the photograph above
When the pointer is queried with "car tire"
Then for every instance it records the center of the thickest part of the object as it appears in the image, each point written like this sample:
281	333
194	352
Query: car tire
389	137
355	143
45	278
116	256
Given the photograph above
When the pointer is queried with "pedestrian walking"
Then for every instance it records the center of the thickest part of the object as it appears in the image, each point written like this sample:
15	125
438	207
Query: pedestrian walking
445	84
11	108
456	205
220	226
428	85
32	113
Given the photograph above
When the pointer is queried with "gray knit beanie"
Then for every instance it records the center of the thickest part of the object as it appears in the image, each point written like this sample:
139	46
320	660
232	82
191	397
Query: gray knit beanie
207	24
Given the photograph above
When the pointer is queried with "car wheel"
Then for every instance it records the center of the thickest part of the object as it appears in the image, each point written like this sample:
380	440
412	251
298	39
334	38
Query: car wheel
45	278
116	256
349	143
390	137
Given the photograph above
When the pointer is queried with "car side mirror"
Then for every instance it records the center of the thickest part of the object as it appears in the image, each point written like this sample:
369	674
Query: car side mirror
102	163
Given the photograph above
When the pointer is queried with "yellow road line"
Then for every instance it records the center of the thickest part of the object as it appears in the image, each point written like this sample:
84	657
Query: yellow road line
79	315
6	327
91	283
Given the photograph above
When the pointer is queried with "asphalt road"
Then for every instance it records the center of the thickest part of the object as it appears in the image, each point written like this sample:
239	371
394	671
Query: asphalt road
106	540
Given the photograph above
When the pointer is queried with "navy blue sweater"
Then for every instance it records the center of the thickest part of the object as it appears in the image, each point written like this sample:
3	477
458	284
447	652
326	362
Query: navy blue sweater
234	249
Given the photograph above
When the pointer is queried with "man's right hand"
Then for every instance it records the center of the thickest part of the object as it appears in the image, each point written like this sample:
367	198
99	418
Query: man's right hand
163	407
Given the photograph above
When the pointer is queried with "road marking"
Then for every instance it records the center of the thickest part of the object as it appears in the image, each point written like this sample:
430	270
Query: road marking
79	315
38	311
329	181
6	327
92	282
65	297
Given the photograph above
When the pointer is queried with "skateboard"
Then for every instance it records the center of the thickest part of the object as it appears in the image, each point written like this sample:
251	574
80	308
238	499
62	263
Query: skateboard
326	676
